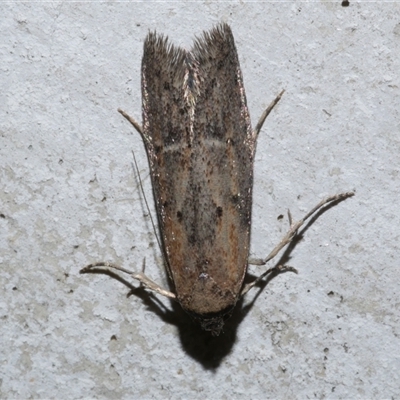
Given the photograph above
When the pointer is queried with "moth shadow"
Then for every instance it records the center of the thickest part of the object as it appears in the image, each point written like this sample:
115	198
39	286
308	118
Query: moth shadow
200	345
206	349
210	350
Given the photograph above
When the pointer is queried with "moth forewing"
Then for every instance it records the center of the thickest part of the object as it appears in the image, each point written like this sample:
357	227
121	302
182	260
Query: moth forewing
201	149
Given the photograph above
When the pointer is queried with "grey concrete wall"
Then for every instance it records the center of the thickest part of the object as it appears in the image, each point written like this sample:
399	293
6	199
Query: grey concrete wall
69	197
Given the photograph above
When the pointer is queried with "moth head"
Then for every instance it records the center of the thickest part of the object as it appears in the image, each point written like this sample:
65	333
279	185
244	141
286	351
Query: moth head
213	322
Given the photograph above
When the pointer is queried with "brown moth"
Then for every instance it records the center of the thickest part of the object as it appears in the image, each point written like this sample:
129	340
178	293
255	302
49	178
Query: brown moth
200	146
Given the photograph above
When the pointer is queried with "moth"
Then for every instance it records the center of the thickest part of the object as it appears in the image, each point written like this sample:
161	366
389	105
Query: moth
200	147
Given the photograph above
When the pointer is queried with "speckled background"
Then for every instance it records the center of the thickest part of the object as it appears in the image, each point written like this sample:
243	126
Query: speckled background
69	196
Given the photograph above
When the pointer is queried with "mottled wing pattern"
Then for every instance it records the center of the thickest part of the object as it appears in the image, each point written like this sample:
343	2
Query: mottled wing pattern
200	147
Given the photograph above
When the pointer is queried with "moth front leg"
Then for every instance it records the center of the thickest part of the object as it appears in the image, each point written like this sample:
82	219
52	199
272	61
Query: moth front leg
293	229
140	276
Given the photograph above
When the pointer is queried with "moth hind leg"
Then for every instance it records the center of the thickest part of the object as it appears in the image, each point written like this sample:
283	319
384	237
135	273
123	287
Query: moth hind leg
132	120
266	112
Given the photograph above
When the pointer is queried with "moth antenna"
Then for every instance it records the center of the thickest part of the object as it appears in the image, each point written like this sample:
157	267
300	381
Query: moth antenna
147	205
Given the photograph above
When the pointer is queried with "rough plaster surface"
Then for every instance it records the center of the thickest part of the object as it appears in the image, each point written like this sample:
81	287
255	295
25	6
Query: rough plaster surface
69	197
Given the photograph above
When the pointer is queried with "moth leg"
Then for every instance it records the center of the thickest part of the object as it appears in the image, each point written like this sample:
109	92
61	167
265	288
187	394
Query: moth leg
294	227
135	124
140	276
264	115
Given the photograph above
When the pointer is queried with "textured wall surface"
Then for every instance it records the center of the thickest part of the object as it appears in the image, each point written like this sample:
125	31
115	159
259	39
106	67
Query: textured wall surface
69	196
